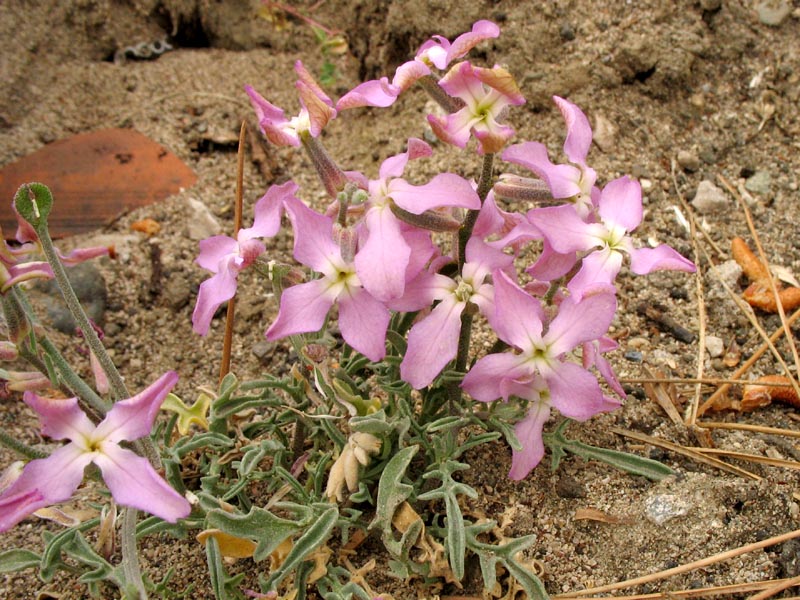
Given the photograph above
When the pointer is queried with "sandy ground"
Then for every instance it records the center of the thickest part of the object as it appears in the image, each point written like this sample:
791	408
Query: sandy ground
678	93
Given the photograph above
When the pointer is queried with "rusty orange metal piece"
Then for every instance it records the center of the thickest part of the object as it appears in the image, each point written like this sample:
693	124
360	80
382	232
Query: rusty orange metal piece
94	178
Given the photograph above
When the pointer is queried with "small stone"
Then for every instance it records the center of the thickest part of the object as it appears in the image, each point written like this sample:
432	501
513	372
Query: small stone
773	12
203	224
634	356
710	5
263	350
714	346
177	292
688	161
660	509
90	288
569	487
605	133
710	199
567	32
759	183
725	274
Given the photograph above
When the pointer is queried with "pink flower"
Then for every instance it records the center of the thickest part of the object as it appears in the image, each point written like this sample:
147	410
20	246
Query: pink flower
486	94
437	52
385	253
363	320
572	181
317	109
225	257
620	212
130	478
433	341
535	368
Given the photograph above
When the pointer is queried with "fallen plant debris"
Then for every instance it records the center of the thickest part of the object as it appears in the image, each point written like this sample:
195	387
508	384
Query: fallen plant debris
759	293
766	389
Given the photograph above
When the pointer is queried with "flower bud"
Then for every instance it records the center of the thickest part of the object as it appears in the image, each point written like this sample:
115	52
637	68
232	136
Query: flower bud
333	178
347	240
431	220
523	189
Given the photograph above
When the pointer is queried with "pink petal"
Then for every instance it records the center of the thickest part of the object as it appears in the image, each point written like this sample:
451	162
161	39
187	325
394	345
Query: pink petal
492	137
493	220
320	112
310	83
395	165
419	292
485	380
518	316
24	272
382	260
598	271
79	255
363	322
271	120
621	203
133	418
61	418
408	73
377	92
213	293
445	189
133	482
43	481
564	229
578	322
579	132
529	434
563	180
269	209
551	264
662	257
214	250
481	30
313	244
502	81
432	343
454	128
303	309
574	391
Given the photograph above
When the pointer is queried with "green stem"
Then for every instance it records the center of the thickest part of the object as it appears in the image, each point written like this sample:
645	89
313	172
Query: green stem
22	449
118	388
71	380
437	93
484	185
130	558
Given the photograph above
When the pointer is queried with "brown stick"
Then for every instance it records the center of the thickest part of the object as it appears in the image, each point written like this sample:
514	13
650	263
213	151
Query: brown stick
225	363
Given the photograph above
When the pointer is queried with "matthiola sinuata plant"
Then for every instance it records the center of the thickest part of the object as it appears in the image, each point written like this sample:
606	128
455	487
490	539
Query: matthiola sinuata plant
366	433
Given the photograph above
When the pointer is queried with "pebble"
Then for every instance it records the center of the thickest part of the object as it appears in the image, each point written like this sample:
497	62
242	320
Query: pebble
714	346
90	287
605	132
663	507
567	32
177	292
727	272
689	161
773	12
203	224
710	199
634	356
759	183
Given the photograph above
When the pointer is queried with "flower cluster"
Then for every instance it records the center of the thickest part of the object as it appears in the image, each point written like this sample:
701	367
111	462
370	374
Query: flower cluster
375	251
